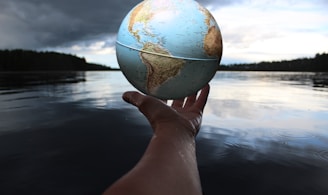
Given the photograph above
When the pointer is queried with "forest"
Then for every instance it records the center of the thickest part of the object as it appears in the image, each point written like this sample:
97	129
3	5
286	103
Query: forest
317	64
25	60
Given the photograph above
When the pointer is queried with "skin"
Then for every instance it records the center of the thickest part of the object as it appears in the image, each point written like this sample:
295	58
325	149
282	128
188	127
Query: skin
169	164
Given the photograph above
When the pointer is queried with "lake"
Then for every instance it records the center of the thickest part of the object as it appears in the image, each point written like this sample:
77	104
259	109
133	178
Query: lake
71	133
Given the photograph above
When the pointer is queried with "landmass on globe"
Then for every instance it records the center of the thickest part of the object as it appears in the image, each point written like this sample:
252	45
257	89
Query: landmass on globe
159	68
148	23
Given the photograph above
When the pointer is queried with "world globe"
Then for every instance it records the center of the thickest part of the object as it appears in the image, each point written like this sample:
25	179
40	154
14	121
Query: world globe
169	49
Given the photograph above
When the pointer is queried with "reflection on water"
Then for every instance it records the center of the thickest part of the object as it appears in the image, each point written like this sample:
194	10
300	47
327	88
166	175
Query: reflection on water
276	119
288	107
263	110
13	80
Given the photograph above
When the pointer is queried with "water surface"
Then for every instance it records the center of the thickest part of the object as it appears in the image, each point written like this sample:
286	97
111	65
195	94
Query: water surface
262	133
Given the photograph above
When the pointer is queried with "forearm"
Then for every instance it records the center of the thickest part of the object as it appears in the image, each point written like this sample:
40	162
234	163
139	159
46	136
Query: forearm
168	166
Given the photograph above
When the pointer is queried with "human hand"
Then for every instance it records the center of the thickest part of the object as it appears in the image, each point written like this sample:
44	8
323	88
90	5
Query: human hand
169	164
186	113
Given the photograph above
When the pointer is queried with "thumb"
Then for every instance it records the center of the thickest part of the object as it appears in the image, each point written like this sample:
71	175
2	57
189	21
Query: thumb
149	106
146	104
133	97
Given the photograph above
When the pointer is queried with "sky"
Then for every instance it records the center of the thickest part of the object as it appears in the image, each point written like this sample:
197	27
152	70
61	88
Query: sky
252	30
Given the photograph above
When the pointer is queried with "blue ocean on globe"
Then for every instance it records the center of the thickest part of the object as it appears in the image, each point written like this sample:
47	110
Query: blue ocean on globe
169	48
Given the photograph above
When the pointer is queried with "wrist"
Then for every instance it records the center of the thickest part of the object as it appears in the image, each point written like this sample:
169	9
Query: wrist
176	130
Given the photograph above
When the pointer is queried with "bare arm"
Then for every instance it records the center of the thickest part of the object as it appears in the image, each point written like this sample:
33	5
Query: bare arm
169	164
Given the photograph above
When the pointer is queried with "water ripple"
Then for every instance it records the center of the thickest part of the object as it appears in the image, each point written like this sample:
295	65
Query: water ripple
322	155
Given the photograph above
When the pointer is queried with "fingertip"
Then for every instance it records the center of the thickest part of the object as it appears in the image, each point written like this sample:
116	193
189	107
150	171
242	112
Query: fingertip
126	95
206	90
191	100
206	87
178	103
202	98
131	96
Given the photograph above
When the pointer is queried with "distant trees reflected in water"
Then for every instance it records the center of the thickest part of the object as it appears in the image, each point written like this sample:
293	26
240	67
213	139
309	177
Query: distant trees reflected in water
23	67
24	60
10	80
317	79
317	64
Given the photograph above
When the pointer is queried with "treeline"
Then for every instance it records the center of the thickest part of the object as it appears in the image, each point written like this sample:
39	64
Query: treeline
25	60
317	64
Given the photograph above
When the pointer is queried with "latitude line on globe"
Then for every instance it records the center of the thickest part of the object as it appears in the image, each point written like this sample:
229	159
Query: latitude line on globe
171	56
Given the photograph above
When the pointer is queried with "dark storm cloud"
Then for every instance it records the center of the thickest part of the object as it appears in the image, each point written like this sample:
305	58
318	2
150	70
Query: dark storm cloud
50	23
39	23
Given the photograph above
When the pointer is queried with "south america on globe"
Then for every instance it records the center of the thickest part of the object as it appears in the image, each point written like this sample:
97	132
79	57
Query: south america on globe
169	49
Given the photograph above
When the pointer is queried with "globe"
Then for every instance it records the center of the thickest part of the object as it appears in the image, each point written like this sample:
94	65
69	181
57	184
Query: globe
169	49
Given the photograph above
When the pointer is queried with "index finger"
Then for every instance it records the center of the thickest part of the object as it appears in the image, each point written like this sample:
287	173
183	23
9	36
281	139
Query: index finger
202	98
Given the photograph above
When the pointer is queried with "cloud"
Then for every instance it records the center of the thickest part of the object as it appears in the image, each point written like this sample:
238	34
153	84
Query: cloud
218	2
51	23
253	30
273	30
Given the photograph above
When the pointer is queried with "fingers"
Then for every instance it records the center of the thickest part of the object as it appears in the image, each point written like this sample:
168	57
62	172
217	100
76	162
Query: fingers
191	100
178	103
202	98
139	100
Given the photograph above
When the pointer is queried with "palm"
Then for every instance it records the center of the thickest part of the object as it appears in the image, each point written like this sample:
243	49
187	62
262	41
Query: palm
186	112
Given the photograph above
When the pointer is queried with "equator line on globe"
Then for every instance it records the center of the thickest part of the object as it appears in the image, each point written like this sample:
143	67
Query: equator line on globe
169	48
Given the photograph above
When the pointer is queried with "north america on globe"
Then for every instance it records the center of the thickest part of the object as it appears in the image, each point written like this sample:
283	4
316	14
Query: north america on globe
169	49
